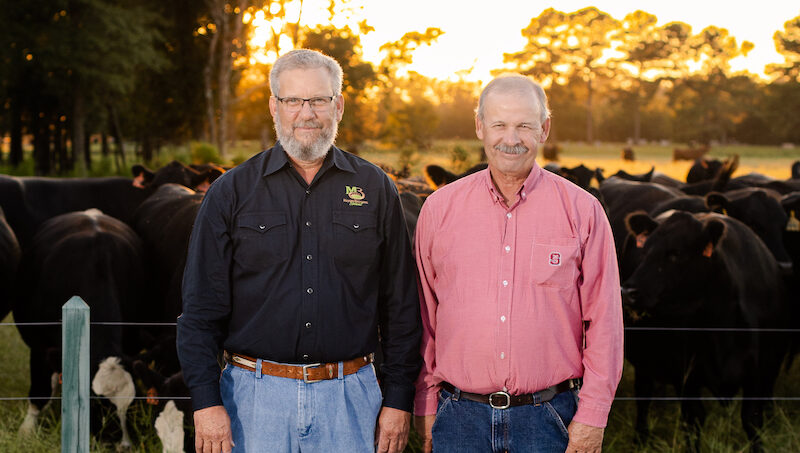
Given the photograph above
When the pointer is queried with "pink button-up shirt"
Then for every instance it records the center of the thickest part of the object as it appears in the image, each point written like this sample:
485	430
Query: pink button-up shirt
518	298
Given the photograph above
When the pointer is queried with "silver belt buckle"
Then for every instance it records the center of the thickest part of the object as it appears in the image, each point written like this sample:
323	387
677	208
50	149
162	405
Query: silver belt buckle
499	406
305	373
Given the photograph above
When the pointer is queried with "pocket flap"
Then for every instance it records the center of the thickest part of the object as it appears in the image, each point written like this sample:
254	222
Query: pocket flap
262	221
355	221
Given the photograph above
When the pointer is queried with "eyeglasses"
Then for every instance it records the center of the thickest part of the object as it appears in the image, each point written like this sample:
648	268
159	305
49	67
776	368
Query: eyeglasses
316	103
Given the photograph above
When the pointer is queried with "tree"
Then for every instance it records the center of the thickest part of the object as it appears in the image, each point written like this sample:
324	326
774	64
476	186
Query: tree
651	54
787	43
560	45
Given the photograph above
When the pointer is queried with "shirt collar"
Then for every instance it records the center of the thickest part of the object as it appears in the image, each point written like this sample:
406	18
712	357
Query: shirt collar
527	186
277	159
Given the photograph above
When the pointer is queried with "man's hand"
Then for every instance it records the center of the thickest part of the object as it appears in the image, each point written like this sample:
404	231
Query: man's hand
391	434
584	438
212	430
423	425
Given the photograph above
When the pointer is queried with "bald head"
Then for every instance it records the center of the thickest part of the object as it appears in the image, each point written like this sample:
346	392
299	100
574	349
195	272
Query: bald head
517	84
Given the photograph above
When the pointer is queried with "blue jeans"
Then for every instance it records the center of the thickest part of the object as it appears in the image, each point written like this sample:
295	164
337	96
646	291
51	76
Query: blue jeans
465	426
273	414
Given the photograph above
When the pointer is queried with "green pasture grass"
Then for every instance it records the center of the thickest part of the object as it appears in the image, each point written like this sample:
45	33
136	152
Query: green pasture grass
722	431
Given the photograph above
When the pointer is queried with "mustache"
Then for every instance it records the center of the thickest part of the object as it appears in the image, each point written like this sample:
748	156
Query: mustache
309	123
515	149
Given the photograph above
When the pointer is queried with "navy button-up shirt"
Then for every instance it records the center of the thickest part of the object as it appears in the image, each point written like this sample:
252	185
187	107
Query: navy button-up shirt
300	273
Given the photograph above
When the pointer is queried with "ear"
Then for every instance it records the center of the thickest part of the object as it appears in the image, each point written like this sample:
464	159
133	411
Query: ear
141	176
640	225
713	231
479	127
545	131
339	101
649	175
716	201
273	105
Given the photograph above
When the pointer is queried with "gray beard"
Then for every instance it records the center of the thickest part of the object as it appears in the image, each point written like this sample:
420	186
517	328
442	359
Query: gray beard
308	153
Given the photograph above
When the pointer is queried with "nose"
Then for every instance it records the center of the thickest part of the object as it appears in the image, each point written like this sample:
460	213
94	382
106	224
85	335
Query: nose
305	110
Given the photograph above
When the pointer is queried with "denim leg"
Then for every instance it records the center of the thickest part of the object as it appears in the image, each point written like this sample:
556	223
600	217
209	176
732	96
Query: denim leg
263	411
342	413
543	428
461	426
470	427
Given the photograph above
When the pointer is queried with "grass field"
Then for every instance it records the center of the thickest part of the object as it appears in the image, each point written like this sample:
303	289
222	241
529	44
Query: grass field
721	433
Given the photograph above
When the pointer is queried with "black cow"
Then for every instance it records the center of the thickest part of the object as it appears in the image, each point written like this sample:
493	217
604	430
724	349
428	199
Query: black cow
438	176
701	271
168	425
761	210
623	197
412	205
99	258
644	177
197	177
9	260
796	170
703	170
164	222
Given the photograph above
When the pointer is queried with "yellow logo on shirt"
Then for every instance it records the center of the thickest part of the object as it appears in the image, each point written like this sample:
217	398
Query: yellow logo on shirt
355	196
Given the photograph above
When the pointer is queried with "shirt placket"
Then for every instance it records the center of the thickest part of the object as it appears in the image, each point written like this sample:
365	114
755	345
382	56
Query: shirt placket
309	245
505	291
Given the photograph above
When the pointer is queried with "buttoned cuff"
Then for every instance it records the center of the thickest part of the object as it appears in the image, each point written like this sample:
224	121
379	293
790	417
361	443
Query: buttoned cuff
398	397
426	402
205	396
592	414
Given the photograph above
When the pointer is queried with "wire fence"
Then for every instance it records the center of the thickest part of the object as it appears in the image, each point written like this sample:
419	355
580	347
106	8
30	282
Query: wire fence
618	398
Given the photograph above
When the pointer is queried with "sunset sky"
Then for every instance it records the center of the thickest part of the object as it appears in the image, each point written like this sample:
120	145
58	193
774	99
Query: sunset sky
477	33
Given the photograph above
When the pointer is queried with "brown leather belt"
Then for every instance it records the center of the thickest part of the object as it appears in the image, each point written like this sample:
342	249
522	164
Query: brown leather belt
504	400
312	372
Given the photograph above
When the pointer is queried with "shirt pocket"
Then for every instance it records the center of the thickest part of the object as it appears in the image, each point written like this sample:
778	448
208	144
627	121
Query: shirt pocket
355	237
554	262
261	239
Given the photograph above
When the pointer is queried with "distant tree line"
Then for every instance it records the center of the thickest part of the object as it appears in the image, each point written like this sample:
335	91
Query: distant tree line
151	73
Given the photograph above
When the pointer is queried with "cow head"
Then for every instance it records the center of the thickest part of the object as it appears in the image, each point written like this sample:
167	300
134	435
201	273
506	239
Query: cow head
177	173
676	263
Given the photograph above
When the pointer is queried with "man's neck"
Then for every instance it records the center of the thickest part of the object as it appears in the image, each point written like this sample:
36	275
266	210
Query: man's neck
307	169
508	185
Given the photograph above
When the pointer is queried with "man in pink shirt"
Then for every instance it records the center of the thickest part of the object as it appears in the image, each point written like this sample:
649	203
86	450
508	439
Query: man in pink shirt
520	297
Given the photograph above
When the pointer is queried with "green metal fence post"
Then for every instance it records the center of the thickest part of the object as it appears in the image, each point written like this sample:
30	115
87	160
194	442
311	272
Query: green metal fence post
75	377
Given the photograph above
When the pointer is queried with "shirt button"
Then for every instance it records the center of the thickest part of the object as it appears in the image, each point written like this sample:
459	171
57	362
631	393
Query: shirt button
502	319
502	355
508	215
310	290
355	225
308	224
308	325
261	227
308	192
524	194
508	248
505	283
305	356
308	257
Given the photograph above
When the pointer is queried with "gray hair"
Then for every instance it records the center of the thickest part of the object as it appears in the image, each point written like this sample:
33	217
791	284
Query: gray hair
515	83
305	59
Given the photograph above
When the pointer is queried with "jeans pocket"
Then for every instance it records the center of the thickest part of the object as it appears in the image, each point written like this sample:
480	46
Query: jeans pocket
561	410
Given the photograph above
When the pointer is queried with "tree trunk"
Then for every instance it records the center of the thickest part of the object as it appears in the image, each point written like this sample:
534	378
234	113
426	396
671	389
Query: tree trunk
589	126
217	15
61	157
104	149
87	149
78	128
41	151
116	131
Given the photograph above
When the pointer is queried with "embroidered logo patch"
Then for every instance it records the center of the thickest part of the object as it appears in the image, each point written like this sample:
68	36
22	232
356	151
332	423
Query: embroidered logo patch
355	196
555	259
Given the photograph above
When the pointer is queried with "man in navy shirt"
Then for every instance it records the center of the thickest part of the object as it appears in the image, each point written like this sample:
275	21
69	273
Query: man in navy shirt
299	268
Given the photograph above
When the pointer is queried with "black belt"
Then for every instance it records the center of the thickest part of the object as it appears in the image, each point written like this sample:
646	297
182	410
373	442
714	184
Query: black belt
504	400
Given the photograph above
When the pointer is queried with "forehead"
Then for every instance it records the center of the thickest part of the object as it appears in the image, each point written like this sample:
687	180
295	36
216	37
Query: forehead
511	107
305	83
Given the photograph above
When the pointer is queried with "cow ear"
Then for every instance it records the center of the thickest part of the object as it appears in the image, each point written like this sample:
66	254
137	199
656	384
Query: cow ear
640	225
142	176
713	231
716	201
438	176
649	175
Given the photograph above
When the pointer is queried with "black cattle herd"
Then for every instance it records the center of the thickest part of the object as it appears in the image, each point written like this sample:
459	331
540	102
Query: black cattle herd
709	271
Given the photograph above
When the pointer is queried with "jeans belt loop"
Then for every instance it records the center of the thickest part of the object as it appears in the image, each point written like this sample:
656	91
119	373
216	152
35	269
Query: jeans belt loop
456	394
258	369
341	370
